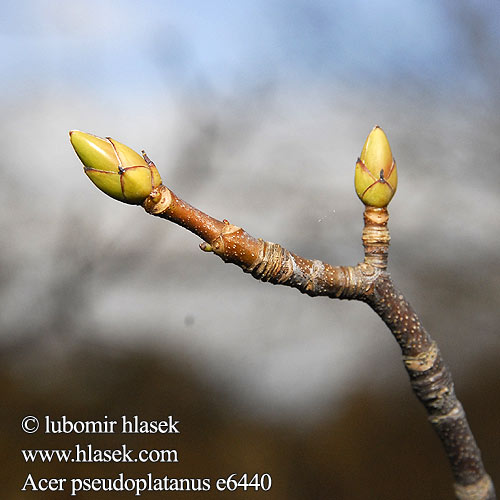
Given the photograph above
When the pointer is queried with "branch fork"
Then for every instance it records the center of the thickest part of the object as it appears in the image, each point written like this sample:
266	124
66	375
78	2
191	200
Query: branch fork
368	281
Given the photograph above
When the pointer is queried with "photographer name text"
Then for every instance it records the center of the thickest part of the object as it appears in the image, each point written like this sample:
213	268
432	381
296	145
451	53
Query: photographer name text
125	425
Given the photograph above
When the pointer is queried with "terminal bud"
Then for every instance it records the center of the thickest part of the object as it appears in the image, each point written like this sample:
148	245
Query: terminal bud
376	177
114	168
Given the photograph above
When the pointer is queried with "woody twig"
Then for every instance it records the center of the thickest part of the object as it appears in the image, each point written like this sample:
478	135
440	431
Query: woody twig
124	175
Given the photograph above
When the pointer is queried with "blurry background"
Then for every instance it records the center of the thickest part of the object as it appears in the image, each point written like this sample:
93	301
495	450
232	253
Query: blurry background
254	111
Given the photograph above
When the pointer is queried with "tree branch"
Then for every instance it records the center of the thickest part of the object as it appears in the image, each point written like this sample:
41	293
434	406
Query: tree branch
368	282
122	174
265	260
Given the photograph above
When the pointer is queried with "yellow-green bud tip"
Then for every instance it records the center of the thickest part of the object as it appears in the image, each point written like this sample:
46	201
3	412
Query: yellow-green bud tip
114	168
376	177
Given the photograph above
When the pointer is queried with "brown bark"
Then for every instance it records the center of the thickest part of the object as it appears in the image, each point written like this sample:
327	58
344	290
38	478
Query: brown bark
369	282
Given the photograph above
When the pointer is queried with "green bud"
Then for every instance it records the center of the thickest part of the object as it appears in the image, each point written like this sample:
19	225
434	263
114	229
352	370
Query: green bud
376	177
114	168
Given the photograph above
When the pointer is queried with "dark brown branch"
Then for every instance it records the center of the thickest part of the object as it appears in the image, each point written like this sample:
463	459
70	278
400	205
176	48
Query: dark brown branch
432	383
369	282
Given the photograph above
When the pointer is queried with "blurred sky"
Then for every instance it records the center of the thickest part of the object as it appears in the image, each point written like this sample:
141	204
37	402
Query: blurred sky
115	48
251	100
